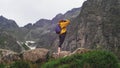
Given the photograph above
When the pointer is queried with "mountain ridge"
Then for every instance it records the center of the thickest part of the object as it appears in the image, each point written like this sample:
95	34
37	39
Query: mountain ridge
42	31
7	23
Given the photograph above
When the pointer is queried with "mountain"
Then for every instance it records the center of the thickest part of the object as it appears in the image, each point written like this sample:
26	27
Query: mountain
42	31
41	23
73	13
47	39
96	27
11	34
68	15
28	26
7	23
8	42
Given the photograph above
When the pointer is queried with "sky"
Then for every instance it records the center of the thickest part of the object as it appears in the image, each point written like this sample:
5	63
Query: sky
30	11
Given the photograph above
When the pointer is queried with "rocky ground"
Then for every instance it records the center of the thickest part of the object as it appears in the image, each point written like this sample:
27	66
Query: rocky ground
35	55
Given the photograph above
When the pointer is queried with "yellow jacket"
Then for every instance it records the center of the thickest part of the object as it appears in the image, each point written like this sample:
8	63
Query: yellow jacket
63	25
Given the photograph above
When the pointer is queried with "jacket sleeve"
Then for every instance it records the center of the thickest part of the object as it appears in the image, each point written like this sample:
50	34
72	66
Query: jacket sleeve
67	22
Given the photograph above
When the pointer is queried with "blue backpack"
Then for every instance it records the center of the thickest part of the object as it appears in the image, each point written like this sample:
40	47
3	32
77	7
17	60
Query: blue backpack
58	29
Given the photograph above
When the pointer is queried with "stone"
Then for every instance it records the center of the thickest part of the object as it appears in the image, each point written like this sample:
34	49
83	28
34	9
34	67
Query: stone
62	54
36	55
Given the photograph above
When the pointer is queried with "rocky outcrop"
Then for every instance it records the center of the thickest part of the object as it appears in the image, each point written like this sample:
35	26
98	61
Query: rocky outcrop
36	55
98	26
10	58
4	52
7	56
80	51
68	53
62	54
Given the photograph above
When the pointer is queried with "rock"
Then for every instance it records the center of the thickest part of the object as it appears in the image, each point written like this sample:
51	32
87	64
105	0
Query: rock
4	52
99	22
10	58
62	54
36	55
7	56
80	51
68	53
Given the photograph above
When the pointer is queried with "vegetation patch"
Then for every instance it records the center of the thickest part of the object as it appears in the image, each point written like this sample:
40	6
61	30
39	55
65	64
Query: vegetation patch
93	59
20	64
2	66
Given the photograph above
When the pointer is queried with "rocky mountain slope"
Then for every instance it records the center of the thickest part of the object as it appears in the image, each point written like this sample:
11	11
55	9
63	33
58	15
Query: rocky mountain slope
7	23
97	26
42	32
9	42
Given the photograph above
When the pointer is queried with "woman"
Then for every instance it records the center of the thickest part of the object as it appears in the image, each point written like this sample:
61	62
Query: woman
63	25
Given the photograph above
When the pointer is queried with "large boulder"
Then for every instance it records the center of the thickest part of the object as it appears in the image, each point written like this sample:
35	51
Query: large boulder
7	56
10	58
36	55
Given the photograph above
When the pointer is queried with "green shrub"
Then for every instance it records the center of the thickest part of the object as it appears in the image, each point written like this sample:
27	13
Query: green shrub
2	66
20	64
64	66
119	65
93	59
100	59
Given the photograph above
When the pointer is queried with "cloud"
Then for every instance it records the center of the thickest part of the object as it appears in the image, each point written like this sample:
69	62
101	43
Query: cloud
29	11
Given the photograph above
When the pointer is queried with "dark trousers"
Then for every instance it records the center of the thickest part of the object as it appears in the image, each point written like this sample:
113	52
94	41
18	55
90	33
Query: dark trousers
61	39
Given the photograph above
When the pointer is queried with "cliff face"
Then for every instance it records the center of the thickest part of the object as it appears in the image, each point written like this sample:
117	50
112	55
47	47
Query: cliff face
96	27
99	25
